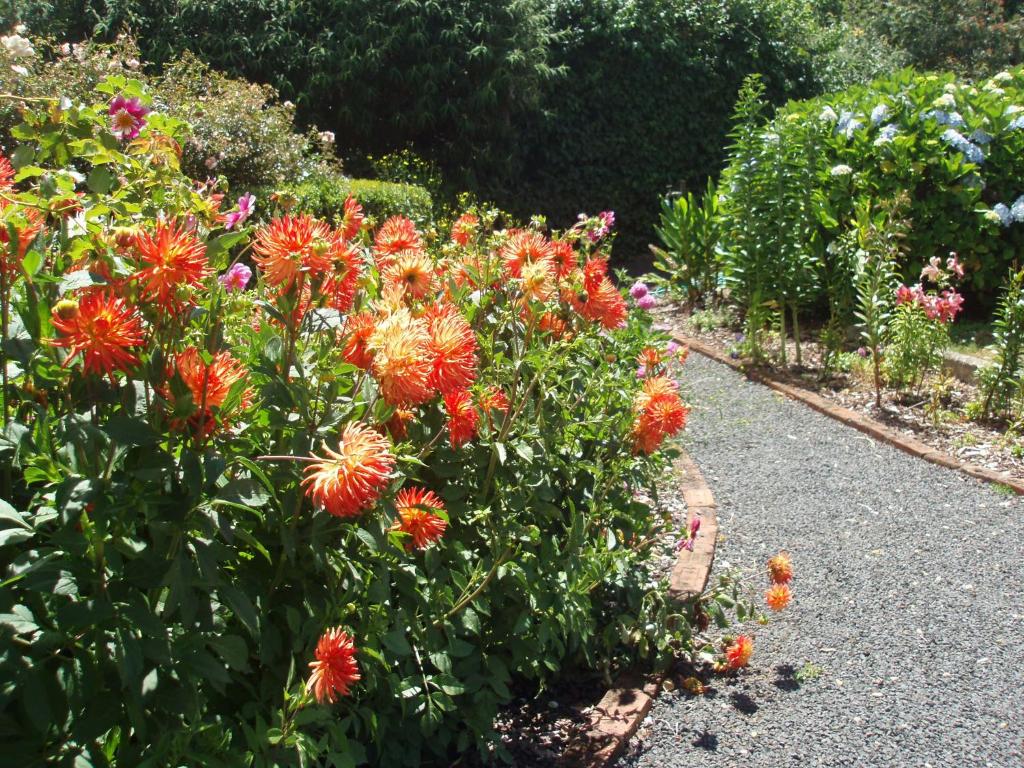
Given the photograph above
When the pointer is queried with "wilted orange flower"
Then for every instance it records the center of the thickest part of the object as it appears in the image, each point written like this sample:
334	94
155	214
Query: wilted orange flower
398	425
452	349
103	328
335	668
494	399
778	596
395	235
341	278
176	258
524	247
289	244
739	652
649	357
462	417
553	324
464	228
27	229
351	219
694	686
659	413
683	353
350	479
6	173
413	270
209	384
538	278
402	360
358	330
563	257
780	569
417	516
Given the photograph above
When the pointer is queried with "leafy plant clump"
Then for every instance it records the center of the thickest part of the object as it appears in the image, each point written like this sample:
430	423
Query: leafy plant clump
278	491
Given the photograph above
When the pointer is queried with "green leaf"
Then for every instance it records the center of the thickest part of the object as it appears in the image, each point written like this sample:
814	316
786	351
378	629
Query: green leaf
100	180
395	642
20	620
7	512
233	650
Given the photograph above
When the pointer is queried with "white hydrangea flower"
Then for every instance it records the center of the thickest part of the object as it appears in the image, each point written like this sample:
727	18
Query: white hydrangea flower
1002	77
945	101
828	115
17	46
841	170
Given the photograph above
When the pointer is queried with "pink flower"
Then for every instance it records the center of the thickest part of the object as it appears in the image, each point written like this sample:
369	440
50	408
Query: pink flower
690	536
638	290
236	278
933	271
646	301
641	372
954	266
671	348
246	205
127	117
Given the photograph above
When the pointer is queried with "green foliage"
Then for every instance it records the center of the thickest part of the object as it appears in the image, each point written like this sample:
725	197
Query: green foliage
324	195
914	347
1001	383
689	230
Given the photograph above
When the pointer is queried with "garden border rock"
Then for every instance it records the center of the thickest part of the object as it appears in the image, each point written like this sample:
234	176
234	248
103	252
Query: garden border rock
852	418
621	710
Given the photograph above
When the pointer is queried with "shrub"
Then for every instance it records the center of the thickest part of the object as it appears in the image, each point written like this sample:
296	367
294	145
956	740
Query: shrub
324	518
325	195
689	230
1001	383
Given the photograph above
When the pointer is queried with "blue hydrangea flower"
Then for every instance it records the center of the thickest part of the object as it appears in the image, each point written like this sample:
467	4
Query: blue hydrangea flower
1017	210
879	113
981	137
971	152
1017	124
955	120
1003	212
885	134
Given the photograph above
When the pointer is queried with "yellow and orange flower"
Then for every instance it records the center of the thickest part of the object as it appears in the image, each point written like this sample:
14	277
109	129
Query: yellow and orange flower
462	417
738	653
417	516
452	349
402	360
780	569
351	479
351	219
395	235
335	668
358	330
341	278
538	280
649	357
413	271
209	384
778	596
600	301
398	425
524	247
658	413
103	328
493	399
464	228
292	243
174	257
553	324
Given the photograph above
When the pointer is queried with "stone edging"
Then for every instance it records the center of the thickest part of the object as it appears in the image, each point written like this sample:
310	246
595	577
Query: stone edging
621	710
856	420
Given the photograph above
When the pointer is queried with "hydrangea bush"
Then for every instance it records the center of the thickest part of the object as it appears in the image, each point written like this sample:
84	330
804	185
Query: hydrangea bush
278	491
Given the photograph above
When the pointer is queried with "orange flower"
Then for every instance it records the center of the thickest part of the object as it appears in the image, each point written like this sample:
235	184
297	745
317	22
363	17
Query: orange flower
176	259
780	569
358	330
350	479
564	258
778	596
417	516
398	425
210	384
352	218
525	247
659	413
289	244
600	301
684	352
739	652
6	173
103	328
395	235
462	417
402	361
27	223
537	280
335	668
553	324
649	357
341	279
464	228
494	399
413	270
452	349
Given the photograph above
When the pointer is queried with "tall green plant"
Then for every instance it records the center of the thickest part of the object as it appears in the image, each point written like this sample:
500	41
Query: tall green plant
1001	382
690	231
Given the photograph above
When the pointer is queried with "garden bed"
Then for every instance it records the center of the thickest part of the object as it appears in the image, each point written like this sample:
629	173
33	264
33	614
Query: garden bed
936	416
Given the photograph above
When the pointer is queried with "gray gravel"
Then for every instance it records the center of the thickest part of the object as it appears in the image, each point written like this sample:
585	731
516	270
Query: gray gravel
909	596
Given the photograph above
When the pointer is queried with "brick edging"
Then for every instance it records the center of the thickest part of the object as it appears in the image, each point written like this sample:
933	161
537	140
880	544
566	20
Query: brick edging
852	418
621	710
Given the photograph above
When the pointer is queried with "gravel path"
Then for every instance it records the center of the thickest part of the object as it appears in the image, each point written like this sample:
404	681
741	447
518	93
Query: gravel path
909	600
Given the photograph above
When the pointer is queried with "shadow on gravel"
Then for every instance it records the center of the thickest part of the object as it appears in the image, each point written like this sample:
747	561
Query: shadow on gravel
786	680
708	741
742	702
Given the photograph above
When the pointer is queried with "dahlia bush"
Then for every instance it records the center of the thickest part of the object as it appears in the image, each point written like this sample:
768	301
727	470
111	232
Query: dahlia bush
278	491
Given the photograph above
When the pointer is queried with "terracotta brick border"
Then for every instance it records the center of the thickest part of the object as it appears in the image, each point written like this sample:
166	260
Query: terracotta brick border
621	710
852	418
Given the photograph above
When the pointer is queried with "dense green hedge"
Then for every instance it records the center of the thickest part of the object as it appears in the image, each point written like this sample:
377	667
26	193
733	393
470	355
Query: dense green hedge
324	196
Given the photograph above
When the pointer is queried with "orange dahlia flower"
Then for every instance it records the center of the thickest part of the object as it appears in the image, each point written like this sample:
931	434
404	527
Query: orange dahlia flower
452	349
341	278
462	417
738	653
395	235
6	173
289	244
493	399
413	270
658	412
174	258
778	596
417	516
335	668
210	384
402	361
780	569
103	328
351	219
358	330
350	479
649	357
398	425
524	247
538	280
600	301
464	228
27	223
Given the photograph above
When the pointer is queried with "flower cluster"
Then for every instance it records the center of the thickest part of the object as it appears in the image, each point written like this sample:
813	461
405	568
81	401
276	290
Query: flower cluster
972	152
942	306
1005	215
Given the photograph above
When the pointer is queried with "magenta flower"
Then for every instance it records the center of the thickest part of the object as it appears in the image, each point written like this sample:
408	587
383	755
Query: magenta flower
236	278
647	301
690	536
246	206
641	372
638	290
671	348
127	117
